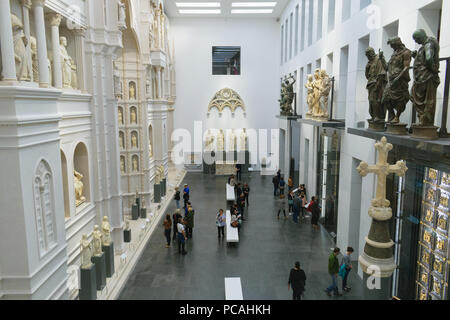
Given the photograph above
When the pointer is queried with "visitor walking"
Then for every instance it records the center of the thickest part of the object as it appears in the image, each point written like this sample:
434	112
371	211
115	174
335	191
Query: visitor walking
181	237
303	205
333	270
231	180
291	202
346	266
185	198
177	197
241	205
275	182
281	205
315	213
238	190
167	226
290	184
220	223
282	184
302	189
246	191
190	222
296	207
297	281
238	171
176	216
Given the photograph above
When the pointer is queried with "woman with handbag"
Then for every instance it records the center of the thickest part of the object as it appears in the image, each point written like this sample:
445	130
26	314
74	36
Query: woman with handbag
220	223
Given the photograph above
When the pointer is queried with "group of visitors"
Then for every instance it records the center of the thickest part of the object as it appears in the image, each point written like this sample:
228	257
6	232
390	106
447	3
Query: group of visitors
297	276
242	193
182	226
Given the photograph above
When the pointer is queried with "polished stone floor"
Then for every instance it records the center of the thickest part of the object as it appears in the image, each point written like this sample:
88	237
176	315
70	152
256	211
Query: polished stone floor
263	258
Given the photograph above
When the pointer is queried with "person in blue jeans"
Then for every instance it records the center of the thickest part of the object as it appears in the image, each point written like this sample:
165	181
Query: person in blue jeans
347	262
297	205
333	271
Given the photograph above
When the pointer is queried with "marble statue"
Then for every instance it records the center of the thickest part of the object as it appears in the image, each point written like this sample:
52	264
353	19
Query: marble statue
86	252
317	87
122	164
120	116
376	82
287	96
121	140
79	198
309	95
34	59
426	78
396	93
134	140
127	223
209	141
324	93
133	116
232	141
243	140
161	173
74	77
66	63
23	69
378	248
122	14
97	240
220	141
135	164
132	91
106	231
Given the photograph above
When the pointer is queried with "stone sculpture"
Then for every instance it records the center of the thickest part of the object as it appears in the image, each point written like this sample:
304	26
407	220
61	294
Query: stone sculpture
232	141
23	68
134	140
310	95
79	198
150	150
378	249
34	59
287	95
133	116
127	223
121	140
324	94
74	78
122	164
120	116
376	83
426	82
97	240
86	252
122	14
220	141
66	63
209	141
132	91
117	83
106	231
243	140
396	93
135	164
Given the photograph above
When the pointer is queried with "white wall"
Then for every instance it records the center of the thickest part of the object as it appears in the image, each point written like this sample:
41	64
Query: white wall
258	84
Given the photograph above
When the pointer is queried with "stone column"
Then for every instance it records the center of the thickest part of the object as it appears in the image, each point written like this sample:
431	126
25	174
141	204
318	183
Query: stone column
158	80
8	62
44	77
163	84
55	21
80	58
26	6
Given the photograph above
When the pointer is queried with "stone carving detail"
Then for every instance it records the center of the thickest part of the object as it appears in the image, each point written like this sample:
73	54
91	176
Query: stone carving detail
134	143
97	240
378	248
220	141
86	252
209	141
68	66
287	96
132	90
122	15
106	231
35	62
23	69
226	98
244	140
135	163
78	184
232	141
324	94
122	164
376	82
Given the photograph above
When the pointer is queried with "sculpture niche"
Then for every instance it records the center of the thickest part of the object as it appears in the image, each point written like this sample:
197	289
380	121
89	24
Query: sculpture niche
287	96
79	198
23	68
68	66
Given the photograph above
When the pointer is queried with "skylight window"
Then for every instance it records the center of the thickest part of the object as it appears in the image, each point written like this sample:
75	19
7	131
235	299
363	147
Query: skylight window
253	4
198	4
200	11
252	11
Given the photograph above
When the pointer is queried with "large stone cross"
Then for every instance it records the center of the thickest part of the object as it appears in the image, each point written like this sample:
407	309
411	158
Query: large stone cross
382	169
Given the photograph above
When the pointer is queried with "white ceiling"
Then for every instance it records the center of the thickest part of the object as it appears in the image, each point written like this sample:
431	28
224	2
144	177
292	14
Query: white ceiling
225	6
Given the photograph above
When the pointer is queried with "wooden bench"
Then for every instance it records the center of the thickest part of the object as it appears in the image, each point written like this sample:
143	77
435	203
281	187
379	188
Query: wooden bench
232	233
233	289
231	198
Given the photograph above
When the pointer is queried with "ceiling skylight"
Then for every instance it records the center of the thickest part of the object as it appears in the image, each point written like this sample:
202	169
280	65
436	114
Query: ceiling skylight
252	11
253	4
199	11
198	4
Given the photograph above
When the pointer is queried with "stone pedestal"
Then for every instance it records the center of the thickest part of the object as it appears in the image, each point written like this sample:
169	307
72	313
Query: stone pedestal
397	129
127	236
378	126
100	270
134	212
163	187
109	259
143	214
88	283
157	193
426	133
138	203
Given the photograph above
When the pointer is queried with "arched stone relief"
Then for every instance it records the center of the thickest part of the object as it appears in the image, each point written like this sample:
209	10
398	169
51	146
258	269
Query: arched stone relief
226	98
135	163
44	207
134	140
133	115
81	175
132	90
120	116
65	177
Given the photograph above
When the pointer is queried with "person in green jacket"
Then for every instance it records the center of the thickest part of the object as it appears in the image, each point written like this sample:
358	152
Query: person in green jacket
333	270
190	221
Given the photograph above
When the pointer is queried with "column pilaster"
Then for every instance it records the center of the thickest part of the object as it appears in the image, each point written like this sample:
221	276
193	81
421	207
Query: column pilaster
80	58
44	76
55	21
26	6
7	49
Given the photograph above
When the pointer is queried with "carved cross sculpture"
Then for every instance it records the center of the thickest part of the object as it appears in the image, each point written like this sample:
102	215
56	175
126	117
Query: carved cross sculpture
378	256
382	169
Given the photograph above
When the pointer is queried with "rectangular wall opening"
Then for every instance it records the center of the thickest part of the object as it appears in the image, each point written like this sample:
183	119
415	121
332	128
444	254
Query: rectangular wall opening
361	97
301	89
364	3
339	111
296	32
306	168
291	23
429	19
310	22
319	19
389	31
303	26
331	14
286	41
346	9
282	43
318	63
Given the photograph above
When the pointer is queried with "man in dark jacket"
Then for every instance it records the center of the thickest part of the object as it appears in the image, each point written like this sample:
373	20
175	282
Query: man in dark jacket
297	279
176	216
333	270
241	205
185	198
246	191
238	190
297	208
190	221
275	182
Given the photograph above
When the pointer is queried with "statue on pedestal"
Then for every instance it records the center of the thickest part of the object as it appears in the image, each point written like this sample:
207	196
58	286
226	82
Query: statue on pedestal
23	69
74	77
134	140
106	231
243	140
310	95
86	252
324	94
132	91
378	249
232	141
133	117
66	63
220	141
79	198
396	93
209	141
376	82
97	241
135	164
287	95
426	80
